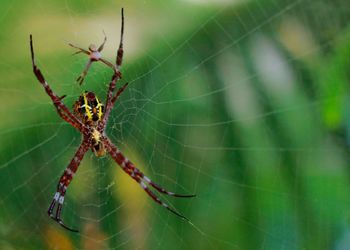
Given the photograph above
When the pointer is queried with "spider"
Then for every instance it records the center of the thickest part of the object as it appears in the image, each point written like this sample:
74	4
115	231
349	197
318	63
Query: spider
90	117
94	56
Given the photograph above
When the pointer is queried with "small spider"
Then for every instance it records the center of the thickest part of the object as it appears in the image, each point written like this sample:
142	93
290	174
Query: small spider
94	56
90	117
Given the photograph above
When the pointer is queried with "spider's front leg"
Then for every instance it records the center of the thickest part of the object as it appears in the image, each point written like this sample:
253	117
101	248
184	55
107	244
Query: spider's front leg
62	110
64	182
116	76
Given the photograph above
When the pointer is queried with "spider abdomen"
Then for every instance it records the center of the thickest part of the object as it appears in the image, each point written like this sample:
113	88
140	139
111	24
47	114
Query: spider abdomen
88	108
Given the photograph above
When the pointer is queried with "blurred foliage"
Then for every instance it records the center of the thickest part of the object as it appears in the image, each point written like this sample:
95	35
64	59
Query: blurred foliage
244	104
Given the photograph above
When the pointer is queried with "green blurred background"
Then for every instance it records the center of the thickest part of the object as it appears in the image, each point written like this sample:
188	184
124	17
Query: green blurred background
245	103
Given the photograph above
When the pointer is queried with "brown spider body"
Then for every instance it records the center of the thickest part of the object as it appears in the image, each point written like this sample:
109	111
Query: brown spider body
90	110
90	117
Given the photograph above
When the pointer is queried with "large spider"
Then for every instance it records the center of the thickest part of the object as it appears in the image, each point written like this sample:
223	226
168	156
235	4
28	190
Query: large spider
90	117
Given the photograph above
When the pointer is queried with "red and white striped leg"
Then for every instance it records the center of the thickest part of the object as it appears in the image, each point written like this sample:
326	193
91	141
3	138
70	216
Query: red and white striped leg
138	176
63	184
119	92
115	78
57	101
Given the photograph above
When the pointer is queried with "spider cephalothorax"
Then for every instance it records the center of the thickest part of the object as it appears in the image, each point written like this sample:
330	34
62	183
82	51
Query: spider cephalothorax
90	117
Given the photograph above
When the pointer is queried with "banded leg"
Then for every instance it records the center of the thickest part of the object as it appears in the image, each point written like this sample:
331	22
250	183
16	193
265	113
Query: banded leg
138	176
104	121
57	101
63	184
119	92
67	119
117	75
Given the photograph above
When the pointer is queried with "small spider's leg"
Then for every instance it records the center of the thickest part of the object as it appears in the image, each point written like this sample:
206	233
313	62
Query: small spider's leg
138	176
80	50
64	182
76	53
81	78
109	64
61	108
103	44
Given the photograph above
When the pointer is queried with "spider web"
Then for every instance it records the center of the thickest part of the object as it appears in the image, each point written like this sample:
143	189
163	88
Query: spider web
243	103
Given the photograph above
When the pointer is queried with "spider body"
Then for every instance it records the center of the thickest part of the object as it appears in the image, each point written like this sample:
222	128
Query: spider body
95	54
88	108
90	117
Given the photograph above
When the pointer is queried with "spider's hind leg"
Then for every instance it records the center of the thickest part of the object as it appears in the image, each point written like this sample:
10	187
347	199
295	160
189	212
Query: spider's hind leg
58	198
63	184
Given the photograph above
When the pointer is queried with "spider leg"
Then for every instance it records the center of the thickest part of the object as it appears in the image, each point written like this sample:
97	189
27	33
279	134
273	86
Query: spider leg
119	59
63	184
57	101
68	119
116	76
81	78
80	50
138	176
107	112
93	57
156	199
103	44
164	191
109	64
119	92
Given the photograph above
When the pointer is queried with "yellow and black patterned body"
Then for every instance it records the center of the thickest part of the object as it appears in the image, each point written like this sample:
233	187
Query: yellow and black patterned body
90	110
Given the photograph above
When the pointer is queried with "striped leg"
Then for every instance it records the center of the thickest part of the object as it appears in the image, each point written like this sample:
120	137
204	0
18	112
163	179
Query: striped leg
57	101
138	176
63	184
119	92
116	77
102	124
67	119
